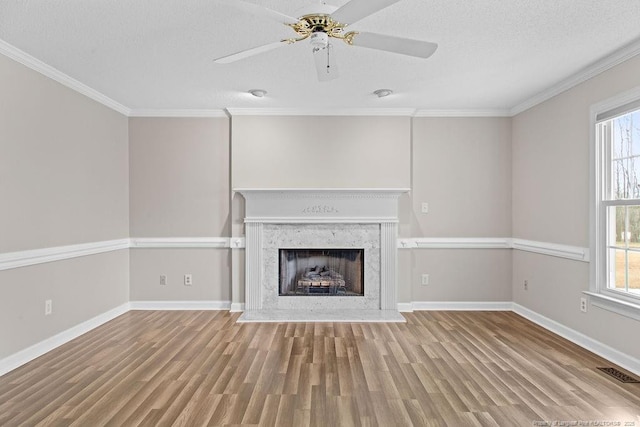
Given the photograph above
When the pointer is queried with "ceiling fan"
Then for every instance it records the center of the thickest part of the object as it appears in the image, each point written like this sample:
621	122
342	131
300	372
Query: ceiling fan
323	22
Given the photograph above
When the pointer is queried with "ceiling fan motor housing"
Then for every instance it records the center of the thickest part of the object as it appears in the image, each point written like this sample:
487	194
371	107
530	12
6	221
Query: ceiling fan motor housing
319	39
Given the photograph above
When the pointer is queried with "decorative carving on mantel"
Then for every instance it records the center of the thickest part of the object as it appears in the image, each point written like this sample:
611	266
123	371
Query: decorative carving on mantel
316	209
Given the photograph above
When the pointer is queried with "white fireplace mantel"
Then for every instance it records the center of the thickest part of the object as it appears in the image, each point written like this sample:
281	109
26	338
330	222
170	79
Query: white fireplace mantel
321	218
338	205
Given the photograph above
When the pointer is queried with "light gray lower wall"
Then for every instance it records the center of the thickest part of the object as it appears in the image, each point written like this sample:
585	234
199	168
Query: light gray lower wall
555	287
79	288
210	269
469	275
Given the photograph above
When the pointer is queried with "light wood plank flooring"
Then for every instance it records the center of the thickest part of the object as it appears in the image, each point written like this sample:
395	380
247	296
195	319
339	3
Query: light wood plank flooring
196	368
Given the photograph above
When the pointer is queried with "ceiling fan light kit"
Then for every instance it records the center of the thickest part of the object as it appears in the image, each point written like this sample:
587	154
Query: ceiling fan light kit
330	22
319	40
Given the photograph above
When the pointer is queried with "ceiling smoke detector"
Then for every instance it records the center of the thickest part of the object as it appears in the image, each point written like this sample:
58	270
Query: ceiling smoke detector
381	93
258	93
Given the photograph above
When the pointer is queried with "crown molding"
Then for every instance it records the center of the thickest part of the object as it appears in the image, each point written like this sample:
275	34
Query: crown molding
619	56
404	112
215	113
490	112
47	70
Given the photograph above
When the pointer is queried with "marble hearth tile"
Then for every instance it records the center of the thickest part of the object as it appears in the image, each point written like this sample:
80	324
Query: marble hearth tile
324	315
276	236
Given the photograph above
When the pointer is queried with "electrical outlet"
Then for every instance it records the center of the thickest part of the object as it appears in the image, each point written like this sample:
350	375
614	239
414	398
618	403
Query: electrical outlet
425	279
163	279
425	207
583	304
188	280
526	285
48	307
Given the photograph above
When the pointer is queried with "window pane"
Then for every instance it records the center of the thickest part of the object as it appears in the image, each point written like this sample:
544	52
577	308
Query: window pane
634	179
635	131
616	235
618	181
623	178
633	226
633	259
617	270
618	149
625	152
625	135
619	137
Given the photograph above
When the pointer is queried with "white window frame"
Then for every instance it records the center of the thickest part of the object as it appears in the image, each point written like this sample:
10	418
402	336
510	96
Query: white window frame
599	159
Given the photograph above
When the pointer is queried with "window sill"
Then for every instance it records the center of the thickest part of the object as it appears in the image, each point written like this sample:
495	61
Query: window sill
618	306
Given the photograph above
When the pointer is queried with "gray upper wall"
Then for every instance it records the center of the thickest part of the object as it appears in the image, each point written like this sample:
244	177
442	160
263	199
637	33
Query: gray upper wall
64	164
551	159
462	169
321	152
179	177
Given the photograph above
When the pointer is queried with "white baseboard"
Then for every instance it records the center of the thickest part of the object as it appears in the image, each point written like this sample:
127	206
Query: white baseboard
28	354
237	307
405	307
627	362
459	305
180	305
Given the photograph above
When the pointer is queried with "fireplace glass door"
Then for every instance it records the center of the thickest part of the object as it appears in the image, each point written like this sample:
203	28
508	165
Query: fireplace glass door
321	272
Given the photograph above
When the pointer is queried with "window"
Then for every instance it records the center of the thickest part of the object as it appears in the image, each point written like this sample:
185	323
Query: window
616	216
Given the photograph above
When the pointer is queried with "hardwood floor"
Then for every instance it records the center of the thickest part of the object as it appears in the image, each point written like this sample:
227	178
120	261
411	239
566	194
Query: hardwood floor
194	368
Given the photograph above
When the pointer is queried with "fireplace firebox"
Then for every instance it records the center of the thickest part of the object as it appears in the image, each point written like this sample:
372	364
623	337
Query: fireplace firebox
321	272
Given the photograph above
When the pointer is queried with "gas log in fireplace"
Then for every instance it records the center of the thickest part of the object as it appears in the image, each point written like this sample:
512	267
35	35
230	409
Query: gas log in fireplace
321	272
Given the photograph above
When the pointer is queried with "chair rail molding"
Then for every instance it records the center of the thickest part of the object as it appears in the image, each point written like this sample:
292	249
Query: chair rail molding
188	242
29	257
576	253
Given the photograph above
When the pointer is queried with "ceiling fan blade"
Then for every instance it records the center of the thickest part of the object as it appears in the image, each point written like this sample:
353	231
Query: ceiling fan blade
257	10
249	52
326	65
401	45
356	10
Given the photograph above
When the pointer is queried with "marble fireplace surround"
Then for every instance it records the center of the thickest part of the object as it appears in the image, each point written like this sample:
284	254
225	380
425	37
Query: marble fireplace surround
321	218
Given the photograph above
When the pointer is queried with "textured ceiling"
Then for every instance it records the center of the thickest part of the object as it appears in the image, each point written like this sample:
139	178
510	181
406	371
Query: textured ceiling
144	54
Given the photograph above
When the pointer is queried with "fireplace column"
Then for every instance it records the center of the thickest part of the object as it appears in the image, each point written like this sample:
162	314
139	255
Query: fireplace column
253	271
388	265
